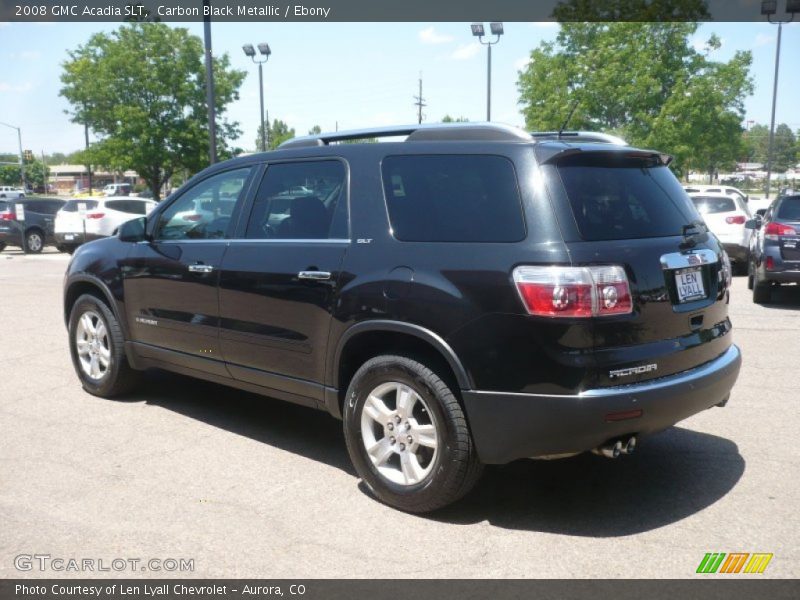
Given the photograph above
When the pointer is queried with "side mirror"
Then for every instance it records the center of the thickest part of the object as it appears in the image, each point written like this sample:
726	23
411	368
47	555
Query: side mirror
752	224
133	230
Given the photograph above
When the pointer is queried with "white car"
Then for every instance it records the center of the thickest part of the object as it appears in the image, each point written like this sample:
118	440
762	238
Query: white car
6	191
725	216
82	220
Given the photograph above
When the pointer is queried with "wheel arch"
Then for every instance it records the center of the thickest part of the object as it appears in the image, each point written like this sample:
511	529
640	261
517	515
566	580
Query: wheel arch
87	284
371	338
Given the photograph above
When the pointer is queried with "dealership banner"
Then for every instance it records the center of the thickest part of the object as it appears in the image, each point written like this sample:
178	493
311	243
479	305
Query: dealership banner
386	589
380	10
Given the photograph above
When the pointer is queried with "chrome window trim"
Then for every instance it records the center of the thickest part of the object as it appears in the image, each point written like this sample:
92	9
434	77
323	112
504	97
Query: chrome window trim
248	241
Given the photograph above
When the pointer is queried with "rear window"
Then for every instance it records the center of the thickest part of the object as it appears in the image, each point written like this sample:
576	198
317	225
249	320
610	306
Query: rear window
133	207
453	198
3	206
789	210
619	198
72	205
709	206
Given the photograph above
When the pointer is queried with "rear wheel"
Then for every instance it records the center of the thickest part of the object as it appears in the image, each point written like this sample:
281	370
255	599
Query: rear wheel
34	241
750	270
407	435
2	246
96	344
762	291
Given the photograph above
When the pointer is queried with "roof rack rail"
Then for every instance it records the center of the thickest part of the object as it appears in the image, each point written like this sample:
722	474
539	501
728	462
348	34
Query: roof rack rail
578	136
484	132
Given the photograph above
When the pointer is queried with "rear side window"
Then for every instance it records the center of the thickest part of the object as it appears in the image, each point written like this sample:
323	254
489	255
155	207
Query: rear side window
709	206
453	198
789	210
619	198
133	207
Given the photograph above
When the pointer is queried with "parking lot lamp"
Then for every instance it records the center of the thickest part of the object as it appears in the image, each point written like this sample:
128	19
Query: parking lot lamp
768	9
478	31
265	51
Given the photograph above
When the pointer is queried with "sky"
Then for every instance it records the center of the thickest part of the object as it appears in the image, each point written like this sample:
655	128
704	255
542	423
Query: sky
352	75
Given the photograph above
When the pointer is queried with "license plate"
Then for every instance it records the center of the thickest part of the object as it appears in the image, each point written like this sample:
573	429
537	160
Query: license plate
69	236
689	283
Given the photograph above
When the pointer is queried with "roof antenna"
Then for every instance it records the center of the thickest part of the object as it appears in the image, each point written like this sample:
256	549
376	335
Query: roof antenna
569	116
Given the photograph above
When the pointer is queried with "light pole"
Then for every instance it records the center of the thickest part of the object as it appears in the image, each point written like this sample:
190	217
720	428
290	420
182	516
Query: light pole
21	161
478	32
265	52
769	8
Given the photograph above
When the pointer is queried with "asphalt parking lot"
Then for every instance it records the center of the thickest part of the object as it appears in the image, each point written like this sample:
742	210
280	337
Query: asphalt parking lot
251	487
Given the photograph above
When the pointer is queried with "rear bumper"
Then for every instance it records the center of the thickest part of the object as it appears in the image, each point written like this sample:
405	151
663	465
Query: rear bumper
508	426
782	276
76	238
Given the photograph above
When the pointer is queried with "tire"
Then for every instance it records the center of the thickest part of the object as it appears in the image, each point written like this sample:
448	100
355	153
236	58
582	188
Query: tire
103	368
750	270
2	246
34	241
68	248
409	475
762	292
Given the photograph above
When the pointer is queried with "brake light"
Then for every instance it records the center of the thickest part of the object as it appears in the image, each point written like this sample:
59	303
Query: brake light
95	215
737	220
574	291
8	216
774	230
770	264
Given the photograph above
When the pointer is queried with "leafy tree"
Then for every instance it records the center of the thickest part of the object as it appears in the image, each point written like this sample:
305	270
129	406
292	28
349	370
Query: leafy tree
315	130
643	81
755	143
756	146
142	90
277	133
449	119
35	171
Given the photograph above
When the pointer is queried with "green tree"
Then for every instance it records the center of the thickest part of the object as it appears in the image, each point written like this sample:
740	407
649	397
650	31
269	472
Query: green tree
35	171
449	119
642	81
784	150
315	130
141	89
755	143
277	133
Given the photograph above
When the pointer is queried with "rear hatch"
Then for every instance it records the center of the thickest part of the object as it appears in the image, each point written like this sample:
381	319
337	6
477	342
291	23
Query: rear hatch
71	216
788	215
624	207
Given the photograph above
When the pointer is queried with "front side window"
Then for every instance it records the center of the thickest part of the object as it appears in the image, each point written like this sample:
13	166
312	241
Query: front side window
453	198
204	211
301	201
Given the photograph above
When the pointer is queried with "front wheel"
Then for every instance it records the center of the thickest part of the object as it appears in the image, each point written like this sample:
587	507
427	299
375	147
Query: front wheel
407	435
96	344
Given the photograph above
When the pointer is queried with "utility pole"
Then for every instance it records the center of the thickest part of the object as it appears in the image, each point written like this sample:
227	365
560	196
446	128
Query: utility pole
420	101
266	131
212	117
88	167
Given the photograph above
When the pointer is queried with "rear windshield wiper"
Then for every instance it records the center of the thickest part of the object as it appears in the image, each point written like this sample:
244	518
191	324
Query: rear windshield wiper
693	233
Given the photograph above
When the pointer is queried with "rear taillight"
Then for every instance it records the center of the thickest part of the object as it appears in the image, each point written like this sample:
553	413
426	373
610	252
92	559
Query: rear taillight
770	264
574	291
738	220
95	215
774	230
8	216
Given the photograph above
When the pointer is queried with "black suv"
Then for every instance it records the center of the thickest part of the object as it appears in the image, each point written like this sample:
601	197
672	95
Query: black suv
36	230
775	252
472	294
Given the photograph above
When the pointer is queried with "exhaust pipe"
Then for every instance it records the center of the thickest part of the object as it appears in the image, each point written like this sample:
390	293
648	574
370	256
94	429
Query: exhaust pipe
614	448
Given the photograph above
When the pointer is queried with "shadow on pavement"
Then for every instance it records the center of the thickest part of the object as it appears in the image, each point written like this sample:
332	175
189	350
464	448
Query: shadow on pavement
671	476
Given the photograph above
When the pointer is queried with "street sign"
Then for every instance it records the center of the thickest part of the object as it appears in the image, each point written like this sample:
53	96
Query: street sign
82	208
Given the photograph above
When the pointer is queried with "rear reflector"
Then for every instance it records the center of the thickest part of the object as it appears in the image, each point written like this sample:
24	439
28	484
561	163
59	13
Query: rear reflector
770	264
574	291
738	220
624	415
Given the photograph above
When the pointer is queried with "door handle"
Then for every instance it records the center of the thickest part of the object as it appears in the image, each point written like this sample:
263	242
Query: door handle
200	268
315	275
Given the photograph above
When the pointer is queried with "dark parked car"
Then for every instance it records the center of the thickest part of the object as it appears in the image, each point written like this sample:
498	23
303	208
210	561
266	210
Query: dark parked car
775	256
36	230
469	295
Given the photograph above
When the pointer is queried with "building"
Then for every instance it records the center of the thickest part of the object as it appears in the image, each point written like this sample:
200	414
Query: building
69	179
